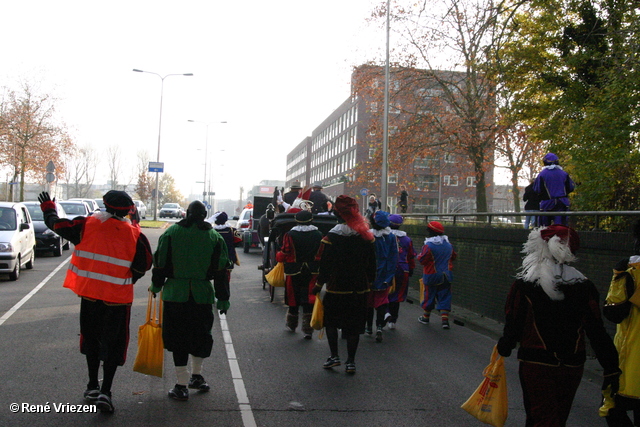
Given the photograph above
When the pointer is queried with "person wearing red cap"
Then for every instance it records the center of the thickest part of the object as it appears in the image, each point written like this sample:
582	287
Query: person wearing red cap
348	268
105	287
550	308
436	258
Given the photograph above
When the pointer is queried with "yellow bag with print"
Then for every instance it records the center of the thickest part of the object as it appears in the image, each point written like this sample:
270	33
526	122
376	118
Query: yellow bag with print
150	356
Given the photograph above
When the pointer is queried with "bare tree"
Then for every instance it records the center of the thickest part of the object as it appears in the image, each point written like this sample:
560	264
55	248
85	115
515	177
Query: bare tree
80	171
114	161
144	185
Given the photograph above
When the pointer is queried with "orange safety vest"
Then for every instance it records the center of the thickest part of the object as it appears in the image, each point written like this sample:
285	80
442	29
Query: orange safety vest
101	263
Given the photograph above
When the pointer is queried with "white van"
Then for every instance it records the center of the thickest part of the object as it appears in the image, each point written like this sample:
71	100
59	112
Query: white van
17	239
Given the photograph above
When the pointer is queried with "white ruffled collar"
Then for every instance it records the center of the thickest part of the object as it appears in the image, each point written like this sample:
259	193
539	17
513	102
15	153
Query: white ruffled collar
381	233
220	226
304	228
551	167
343	230
399	233
436	240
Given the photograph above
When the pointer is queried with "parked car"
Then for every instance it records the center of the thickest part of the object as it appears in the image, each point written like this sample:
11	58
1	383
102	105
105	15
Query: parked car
46	239
75	208
91	204
17	239
244	221
142	208
100	203
171	210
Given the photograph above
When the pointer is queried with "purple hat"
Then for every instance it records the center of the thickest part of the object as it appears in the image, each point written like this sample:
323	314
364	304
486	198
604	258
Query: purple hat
396	219
550	159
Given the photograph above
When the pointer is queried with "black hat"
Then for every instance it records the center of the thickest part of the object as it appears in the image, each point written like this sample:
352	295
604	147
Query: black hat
197	210
304	217
117	202
295	185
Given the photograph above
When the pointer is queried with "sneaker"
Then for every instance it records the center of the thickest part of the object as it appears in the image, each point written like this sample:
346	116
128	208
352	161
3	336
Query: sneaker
179	392
91	394
423	320
387	316
198	382
368	330
104	404
379	334
331	362
307	336
391	325
350	368
445	324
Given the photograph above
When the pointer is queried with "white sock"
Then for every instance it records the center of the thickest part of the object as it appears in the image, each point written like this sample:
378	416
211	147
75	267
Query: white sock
182	375
196	365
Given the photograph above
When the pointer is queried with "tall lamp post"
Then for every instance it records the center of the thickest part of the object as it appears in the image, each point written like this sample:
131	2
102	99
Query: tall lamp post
155	210
205	191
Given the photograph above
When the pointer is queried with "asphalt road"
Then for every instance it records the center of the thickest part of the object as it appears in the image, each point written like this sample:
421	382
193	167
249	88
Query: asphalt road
259	373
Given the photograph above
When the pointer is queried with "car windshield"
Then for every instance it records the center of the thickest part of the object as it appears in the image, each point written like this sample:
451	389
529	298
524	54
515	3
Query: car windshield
247	215
74	209
35	212
7	219
170	206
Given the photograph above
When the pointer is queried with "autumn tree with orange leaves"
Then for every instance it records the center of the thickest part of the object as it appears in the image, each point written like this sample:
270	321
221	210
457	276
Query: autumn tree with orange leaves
30	137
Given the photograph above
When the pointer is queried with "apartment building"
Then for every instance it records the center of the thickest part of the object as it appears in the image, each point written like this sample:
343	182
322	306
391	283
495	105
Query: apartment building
344	151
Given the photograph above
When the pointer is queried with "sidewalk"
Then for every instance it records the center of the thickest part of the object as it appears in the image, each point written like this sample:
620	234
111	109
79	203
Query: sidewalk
462	317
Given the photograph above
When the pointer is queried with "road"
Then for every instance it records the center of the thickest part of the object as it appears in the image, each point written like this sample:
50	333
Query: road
418	376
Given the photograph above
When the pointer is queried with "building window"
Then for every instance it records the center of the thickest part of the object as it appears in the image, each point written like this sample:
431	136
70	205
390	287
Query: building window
372	153
425	205
454	181
449	158
373	107
392	178
393	130
426	182
471	181
394	109
426	162
446	180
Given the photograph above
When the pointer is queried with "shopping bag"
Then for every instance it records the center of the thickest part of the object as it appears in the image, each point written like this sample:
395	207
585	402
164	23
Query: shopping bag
150	356
276	276
317	316
421	282
489	402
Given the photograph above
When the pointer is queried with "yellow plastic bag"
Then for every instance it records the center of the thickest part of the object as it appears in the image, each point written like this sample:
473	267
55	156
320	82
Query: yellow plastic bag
421	290
276	276
150	356
317	316
489	402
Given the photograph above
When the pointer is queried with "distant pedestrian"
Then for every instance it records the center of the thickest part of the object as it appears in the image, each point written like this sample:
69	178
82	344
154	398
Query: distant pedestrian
110	256
436	258
549	309
347	268
189	255
386	262
553	185
624	291
403	200
232	239
319	199
404	270
372	206
532	204
298	253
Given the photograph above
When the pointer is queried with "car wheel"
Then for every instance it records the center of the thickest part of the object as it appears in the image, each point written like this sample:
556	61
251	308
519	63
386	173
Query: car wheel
32	260
246	247
57	251
15	274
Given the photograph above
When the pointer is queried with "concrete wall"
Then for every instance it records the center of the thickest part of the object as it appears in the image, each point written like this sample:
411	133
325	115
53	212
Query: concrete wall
489	258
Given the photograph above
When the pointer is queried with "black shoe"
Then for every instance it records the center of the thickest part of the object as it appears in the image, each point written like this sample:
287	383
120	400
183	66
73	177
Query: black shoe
331	362
104	404
92	393
179	392
198	382
379	334
350	368
445	324
424	320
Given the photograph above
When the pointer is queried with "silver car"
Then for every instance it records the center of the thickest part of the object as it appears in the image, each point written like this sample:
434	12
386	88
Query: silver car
17	239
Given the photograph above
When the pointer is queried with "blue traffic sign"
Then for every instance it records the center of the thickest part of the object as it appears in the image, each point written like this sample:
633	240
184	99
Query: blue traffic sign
364	192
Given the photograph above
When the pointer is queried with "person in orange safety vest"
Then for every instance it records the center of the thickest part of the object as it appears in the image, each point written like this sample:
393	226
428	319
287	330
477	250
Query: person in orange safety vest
109	256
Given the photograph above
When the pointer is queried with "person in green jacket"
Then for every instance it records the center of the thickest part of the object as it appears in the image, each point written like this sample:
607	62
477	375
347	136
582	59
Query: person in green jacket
189	253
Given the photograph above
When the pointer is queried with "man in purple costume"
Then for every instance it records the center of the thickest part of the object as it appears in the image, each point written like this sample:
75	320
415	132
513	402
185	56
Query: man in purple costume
554	185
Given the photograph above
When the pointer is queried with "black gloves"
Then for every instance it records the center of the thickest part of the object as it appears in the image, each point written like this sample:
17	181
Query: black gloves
612	380
44	197
622	265
504	348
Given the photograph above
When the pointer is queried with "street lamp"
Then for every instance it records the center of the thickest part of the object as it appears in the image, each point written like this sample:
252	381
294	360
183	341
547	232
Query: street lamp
206	143
155	210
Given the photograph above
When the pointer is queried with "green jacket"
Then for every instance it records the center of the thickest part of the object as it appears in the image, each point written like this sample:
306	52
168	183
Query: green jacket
185	262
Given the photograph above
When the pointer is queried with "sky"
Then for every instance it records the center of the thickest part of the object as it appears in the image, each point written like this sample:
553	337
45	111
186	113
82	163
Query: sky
272	70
